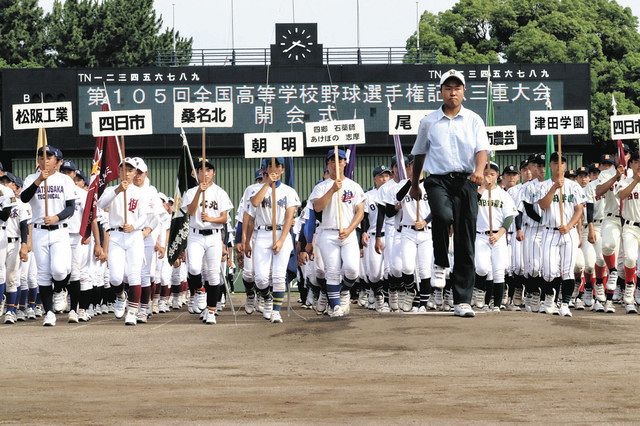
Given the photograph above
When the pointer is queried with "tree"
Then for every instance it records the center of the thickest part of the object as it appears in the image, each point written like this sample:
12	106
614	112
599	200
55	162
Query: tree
112	33
599	32
21	34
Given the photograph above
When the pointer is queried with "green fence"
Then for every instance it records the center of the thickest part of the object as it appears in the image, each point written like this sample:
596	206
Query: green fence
234	174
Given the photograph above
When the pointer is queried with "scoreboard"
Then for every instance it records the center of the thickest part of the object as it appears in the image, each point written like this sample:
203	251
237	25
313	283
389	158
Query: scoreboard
283	99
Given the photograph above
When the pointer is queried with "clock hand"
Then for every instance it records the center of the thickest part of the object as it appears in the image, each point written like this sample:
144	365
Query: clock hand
295	43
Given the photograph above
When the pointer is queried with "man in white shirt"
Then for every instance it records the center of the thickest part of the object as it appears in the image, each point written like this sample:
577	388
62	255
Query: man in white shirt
452	146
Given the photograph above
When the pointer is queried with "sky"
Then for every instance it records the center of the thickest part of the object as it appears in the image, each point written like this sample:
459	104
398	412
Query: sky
383	23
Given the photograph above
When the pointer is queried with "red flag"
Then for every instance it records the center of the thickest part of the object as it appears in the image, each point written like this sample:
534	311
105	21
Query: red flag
106	161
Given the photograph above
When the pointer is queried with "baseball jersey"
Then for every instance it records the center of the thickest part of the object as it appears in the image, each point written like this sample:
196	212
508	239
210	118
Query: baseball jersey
245	201
7	197
528	194
572	195
352	195
611	202
217	202
60	189
75	220
387	195
137	207
631	204
598	202
286	197
19	212
515	192
371	208
408	206
502	206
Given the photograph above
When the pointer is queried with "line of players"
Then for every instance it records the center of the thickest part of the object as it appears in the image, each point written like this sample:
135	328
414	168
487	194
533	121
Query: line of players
373	247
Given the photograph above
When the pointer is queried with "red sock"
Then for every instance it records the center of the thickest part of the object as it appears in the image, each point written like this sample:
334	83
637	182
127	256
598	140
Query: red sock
166	291
610	261
629	274
135	293
599	272
588	278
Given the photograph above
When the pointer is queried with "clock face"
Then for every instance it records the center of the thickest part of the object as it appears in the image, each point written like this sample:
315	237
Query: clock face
296	43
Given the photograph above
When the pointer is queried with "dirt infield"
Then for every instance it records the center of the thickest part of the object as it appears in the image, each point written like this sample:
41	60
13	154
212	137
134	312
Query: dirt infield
367	368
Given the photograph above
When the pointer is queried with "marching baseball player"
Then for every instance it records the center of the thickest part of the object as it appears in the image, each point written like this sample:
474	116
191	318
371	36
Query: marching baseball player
337	241
495	216
208	210
373	260
515	277
629	192
127	230
51	196
560	239
593	241
10	247
611	229
271	257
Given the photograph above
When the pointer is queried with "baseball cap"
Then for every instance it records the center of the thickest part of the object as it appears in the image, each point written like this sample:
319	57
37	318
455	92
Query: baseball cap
51	150
494	166
266	162
625	147
140	164
378	170
130	161
207	164
570	174
593	168
341	154
68	165
258	174
582	170
555	156
524	164
607	159
170	200
13	178
538	159
81	175
394	160
162	197
635	156
451	74
511	169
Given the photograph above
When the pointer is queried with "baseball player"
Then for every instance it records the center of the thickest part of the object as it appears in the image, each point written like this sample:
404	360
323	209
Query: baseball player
592	241
373	260
629	192
416	244
560	239
51	196
495	216
533	231
611	230
515	276
271	257
208	207
338	242
240	241
127	230
10	247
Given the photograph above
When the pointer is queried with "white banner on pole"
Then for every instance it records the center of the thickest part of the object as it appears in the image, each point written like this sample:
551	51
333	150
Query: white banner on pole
42	115
336	132
121	123
625	127
406	121
267	145
559	122
502	138
203	114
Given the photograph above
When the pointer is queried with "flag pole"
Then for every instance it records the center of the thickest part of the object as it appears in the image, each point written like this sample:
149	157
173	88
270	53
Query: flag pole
204	158
489	115
336	159
559	168
124	193
44	156
273	203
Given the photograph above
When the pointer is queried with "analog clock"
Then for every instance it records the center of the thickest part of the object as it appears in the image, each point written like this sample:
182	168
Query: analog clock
296	44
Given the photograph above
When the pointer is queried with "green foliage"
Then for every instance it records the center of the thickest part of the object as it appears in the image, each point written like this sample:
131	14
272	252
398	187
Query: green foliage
600	32
85	33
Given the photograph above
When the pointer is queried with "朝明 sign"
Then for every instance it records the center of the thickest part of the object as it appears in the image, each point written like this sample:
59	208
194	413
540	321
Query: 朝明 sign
559	122
406	122
265	145
336	132
203	114
625	126
122	123
46	115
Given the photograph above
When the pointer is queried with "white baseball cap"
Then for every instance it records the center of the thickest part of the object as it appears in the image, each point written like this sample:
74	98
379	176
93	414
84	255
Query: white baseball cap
452	74
140	164
163	197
